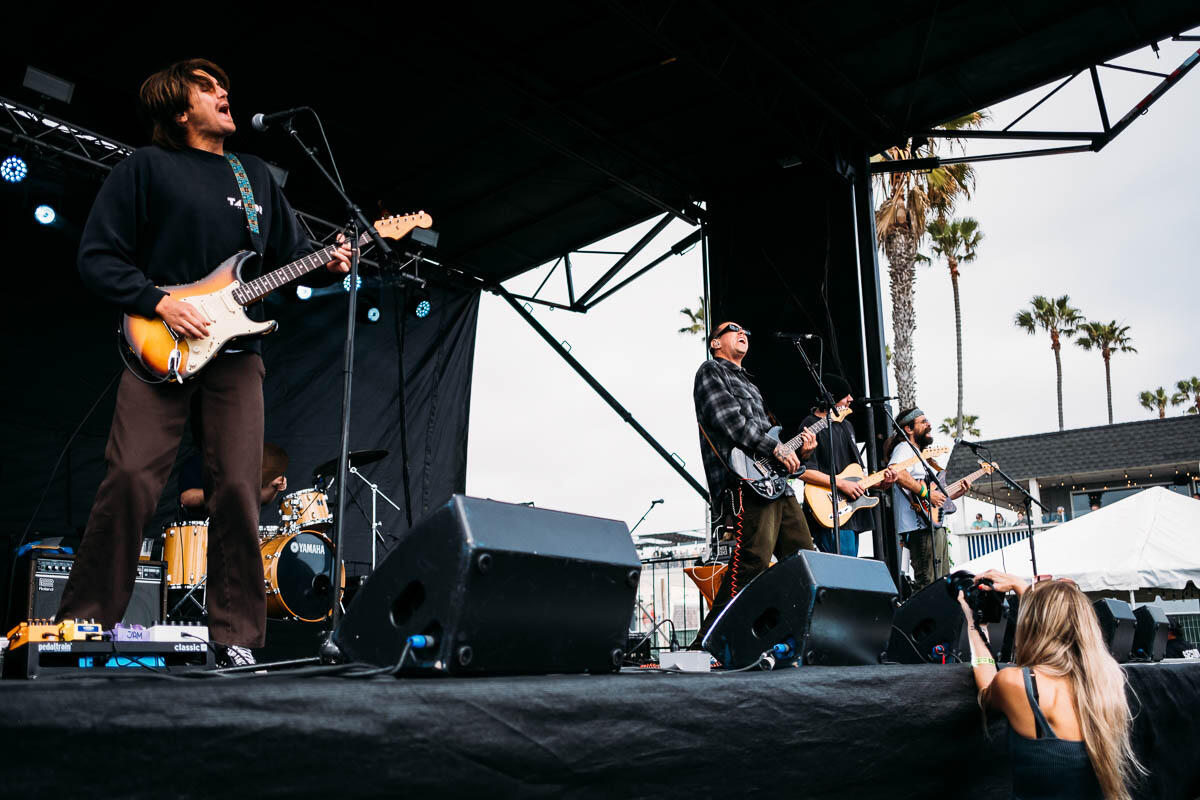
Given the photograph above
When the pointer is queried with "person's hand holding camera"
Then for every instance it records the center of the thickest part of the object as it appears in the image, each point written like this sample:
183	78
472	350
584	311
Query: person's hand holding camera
1001	582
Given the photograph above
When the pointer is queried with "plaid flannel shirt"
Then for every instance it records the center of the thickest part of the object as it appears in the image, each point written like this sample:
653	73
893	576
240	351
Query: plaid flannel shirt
730	409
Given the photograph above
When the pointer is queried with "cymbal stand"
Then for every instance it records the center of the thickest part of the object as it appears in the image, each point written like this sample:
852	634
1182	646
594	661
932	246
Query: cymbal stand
376	493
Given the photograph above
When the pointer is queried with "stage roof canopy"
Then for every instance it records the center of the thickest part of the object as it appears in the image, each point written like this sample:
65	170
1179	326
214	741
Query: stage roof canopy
528	131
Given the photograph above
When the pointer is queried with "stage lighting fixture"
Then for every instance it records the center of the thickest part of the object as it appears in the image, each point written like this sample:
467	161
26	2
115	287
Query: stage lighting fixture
303	292
419	304
14	169
44	214
346	282
369	309
49	85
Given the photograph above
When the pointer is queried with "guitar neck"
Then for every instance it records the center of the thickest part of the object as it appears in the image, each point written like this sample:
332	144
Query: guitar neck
979	473
260	287
793	444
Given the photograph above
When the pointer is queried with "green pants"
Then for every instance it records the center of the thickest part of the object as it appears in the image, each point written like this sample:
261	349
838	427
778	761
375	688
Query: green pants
925	570
763	529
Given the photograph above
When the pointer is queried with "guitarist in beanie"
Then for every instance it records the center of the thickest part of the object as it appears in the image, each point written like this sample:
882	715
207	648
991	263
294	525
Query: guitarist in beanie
167	215
826	461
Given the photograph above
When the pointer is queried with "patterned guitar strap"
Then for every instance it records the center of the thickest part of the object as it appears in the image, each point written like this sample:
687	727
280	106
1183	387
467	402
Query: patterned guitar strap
243	182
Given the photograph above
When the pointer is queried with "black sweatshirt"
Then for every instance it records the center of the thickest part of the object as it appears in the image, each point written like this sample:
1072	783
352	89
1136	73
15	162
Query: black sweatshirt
169	217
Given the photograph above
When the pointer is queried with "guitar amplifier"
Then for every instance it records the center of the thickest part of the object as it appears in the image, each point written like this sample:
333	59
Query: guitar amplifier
40	596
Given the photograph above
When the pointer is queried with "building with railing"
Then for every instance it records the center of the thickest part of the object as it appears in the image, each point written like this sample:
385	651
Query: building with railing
1076	471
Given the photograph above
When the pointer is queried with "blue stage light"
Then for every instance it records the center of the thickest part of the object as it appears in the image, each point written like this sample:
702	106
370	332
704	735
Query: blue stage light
14	169
423	309
373	314
304	292
44	214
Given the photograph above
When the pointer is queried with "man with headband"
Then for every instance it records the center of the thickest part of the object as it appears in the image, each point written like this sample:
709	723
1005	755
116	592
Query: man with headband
930	557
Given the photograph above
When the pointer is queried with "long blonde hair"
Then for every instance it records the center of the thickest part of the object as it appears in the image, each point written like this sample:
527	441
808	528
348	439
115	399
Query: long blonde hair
1058	633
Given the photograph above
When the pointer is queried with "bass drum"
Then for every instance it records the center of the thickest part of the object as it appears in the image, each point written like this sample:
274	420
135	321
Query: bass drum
298	571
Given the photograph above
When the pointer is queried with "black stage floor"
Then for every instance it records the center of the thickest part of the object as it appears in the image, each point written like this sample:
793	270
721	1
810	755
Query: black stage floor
888	731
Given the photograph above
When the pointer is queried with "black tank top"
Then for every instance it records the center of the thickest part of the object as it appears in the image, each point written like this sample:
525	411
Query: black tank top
1048	767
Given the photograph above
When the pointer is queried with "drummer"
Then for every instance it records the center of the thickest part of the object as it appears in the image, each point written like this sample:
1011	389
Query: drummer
191	480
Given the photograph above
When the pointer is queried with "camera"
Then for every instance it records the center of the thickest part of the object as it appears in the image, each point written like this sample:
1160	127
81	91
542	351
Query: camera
986	605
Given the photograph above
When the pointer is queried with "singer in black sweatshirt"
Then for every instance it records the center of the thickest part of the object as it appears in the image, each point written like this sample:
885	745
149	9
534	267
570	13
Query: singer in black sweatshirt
169	214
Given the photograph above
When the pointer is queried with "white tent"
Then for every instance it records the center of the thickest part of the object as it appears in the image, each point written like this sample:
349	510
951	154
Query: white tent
1149	540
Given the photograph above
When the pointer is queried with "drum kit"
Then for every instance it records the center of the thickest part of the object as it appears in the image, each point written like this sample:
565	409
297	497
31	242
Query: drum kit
297	555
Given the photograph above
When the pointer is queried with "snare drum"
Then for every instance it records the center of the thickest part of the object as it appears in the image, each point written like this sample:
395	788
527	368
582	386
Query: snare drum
185	549
298	572
307	509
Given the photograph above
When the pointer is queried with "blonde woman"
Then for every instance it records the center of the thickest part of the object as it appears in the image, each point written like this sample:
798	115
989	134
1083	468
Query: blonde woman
1064	699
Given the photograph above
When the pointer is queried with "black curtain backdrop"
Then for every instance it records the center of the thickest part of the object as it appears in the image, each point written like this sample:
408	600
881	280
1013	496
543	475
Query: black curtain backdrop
61	359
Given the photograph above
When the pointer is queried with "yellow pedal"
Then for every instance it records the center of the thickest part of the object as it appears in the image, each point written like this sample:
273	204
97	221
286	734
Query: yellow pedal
74	630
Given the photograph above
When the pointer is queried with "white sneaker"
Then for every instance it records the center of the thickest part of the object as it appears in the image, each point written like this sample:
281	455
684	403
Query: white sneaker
236	656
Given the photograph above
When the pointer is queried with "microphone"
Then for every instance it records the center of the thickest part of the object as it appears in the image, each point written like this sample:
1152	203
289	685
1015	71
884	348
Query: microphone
974	447
656	502
795	336
260	122
871	401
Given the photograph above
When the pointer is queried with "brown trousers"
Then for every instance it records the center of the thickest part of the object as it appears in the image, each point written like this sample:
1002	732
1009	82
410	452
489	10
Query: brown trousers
147	427
766	528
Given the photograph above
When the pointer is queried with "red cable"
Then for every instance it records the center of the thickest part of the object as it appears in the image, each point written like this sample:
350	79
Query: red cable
737	549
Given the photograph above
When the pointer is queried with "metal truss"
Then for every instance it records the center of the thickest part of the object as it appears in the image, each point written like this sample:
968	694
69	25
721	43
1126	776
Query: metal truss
596	293
45	133
1090	141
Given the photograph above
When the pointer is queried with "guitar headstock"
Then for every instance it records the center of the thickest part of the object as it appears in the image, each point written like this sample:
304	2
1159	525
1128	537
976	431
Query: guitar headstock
397	227
934	452
840	413
988	467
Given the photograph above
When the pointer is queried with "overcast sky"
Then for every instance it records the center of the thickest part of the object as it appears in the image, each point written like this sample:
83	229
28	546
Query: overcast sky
1117	231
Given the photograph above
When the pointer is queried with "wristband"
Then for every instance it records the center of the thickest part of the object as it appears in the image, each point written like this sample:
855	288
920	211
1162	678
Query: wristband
979	662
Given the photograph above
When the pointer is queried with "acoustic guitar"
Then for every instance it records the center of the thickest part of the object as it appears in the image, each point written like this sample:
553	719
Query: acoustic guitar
158	354
820	499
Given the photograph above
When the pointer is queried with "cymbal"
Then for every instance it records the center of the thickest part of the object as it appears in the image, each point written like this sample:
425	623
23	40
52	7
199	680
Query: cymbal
358	458
274	464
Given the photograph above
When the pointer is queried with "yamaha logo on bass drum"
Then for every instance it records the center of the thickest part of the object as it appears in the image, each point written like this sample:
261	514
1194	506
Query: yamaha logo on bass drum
314	548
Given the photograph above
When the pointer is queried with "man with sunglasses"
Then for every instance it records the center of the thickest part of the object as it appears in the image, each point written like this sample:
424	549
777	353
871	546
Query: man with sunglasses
730	412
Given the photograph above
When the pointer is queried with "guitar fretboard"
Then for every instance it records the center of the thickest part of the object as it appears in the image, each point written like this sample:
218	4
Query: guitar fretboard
791	445
263	285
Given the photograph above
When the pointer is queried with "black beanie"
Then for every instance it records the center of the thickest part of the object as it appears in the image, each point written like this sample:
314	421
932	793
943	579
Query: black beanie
838	386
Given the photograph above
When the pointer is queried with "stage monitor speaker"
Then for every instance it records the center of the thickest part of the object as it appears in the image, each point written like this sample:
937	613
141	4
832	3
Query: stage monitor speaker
835	610
1118	625
501	589
39	597
1150	633
930	628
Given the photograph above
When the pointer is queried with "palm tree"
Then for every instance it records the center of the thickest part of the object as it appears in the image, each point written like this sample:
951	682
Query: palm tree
956	242
907	199
695	319
1108	338
969	425
1155	400
1059	319
1189	391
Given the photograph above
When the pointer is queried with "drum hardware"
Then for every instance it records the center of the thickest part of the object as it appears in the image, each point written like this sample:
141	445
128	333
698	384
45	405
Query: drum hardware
305	509
376	493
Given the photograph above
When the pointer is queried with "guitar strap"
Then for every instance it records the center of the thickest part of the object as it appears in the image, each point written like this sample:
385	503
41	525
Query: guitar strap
243	182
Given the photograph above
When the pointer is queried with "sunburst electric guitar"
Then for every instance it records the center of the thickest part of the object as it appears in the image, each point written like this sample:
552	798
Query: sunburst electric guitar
156	353
927	510
765	475
820	499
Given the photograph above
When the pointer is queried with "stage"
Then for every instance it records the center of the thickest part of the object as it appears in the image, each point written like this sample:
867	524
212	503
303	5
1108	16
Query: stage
888	731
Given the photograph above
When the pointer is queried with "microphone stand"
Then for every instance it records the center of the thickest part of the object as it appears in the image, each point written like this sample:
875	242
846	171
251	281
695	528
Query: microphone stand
932	478
829	403
653	503
329	649
975	448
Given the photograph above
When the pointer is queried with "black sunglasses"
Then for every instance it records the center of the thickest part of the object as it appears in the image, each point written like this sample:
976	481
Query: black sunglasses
728	328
